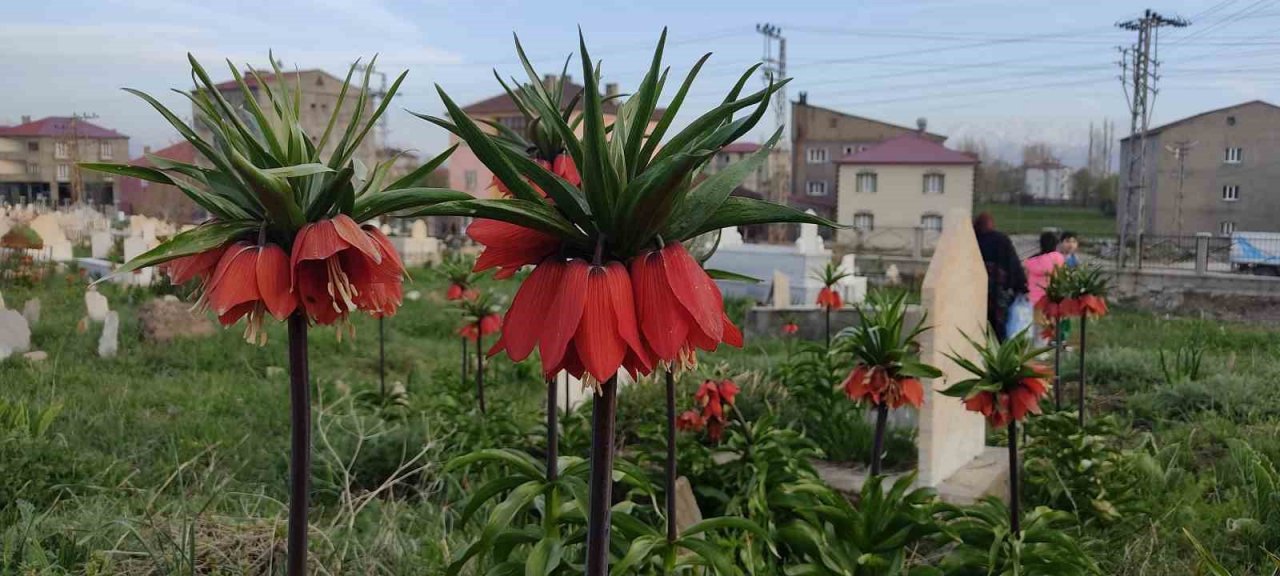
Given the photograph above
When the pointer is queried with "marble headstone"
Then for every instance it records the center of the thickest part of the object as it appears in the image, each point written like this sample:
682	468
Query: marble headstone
109	342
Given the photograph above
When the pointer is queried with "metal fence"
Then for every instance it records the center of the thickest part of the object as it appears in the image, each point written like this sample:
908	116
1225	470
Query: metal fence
1247	253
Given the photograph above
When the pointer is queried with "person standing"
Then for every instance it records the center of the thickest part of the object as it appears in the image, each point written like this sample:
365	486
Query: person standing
1038	268
1068	244
1005	277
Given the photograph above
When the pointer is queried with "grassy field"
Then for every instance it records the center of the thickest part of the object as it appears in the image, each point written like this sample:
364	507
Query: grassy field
1014	219
172	459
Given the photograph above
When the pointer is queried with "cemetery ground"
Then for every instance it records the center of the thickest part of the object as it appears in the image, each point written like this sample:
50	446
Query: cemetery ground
171	458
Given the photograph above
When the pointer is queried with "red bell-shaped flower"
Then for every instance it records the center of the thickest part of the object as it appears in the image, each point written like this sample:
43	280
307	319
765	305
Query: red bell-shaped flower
679	306
581	317
507	247
339	267
196	266
829	299
253	281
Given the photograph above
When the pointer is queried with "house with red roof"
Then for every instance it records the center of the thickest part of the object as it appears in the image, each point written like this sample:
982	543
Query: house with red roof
468	174
38	160
160	200
906	182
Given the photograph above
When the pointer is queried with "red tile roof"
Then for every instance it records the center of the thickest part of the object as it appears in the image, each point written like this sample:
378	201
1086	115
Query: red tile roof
741	148
502	104
58	126
908	149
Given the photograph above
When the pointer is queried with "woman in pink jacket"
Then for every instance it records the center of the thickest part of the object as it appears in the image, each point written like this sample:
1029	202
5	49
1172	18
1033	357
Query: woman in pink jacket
1038	268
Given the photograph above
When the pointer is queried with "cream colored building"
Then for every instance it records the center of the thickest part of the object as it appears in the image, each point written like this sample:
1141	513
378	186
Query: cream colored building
906	183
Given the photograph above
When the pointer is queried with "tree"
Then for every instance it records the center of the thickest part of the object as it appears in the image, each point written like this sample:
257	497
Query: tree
1038	153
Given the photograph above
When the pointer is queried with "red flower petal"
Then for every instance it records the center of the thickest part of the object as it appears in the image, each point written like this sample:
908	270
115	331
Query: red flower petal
349	231
234	282
565	313
274	283
732	335
624	308
694	290
598	340
530	309
911	392
200	265
663	321
508	246
564	167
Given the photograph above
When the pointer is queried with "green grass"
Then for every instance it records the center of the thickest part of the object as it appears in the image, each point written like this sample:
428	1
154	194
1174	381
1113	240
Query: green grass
1014	219
172	456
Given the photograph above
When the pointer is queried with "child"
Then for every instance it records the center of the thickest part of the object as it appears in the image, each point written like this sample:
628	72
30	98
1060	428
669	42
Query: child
1038	268
1067	246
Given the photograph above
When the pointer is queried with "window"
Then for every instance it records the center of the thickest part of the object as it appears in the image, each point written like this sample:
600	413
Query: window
1231	120
864	222
64	172
816	188
33	168
104	150
469	180
513	122
849	150
934	183
1231	193
722	160
1226	227
60	150
33	146
866	183
931	222
817	155
1234	155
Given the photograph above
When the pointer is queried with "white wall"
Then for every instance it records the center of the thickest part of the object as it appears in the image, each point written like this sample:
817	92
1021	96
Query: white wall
899	200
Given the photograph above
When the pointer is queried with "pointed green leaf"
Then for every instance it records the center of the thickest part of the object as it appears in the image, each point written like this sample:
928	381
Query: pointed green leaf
740	211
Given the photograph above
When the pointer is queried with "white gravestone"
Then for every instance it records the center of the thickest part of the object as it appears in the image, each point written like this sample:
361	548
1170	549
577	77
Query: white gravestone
781	290
135	246
893	276
730	237
419	229
100	244
31	311
809	240
15	334
96	305
853	288
954	294
109	342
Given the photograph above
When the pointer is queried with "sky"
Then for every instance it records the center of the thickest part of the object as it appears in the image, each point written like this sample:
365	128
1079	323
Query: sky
1009	72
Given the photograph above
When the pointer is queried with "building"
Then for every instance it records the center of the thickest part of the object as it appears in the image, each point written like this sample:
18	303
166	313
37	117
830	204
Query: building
468	174
319	95
820	137
1047	181
38	160
160	200
902	183
1214	172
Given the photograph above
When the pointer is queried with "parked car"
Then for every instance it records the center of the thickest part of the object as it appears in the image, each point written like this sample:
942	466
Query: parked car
1256	252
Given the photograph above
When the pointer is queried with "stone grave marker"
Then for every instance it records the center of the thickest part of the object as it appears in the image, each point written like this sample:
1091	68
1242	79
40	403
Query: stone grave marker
100	244
1	301
809	240
894	277
781	290
954	294
96	305
419	229
687	511
31	311
15	334
109	342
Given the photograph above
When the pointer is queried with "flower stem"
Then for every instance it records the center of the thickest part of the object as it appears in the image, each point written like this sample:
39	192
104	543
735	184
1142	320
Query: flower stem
553	432
464	360
300	449
479	368
828	327
1083	321
1057	366
671	457
382	357
1015	522
604	409
877	445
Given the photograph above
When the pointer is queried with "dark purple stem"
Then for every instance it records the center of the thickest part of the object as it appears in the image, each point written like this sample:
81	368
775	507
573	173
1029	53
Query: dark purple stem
671	457
300	449
603	410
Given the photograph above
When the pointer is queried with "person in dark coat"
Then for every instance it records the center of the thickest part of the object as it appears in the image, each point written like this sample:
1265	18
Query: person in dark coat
1005	277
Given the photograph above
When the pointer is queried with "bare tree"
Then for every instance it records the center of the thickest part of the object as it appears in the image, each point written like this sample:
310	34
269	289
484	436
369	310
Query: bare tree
1038	153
